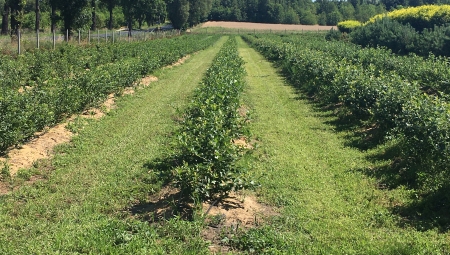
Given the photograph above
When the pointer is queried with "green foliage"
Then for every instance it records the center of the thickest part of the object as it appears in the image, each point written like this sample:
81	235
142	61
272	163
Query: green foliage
263	240
403	39
210	125
58	84
178	11
385	32
392	100
333	35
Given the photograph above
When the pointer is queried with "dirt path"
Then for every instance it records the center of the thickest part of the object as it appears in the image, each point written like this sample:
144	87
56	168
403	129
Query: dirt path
265	26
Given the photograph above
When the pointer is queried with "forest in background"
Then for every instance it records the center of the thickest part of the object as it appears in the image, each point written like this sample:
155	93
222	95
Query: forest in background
95	14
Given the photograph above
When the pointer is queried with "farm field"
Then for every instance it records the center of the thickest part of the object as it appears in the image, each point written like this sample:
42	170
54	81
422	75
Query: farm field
263	26
108	192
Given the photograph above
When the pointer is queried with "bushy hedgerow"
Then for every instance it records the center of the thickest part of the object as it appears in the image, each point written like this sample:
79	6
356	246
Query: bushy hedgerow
40	89
403	38
421	17
397	107
386	33
210	125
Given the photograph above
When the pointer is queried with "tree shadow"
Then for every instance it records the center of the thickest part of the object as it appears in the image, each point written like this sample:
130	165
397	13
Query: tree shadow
361	132
425	212
431	211
165	205
169	202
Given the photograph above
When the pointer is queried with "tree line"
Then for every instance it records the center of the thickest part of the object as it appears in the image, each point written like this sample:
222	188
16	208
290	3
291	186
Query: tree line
93	14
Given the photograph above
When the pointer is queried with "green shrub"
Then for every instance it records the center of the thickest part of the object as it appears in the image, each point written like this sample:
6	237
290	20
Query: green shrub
210	125
387	33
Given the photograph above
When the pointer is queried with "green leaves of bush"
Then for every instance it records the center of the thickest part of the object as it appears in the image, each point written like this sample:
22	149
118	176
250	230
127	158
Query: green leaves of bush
382	99
210	125
40	89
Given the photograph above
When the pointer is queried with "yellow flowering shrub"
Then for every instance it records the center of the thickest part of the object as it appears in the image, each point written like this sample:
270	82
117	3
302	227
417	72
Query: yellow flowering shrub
348	25
425	16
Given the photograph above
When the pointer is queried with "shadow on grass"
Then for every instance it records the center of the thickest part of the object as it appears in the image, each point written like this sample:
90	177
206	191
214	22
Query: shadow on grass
429	212
361	134
169	202
393	174
425	212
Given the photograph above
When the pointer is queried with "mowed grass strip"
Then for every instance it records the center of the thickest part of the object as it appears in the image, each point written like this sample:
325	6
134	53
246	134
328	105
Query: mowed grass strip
328	206
83	205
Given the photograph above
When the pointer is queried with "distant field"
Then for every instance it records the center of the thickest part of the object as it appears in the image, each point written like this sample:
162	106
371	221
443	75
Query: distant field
264	26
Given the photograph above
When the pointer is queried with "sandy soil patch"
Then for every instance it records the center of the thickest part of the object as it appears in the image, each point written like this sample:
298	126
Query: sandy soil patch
38	148
179	62
41	146
235	212
265	26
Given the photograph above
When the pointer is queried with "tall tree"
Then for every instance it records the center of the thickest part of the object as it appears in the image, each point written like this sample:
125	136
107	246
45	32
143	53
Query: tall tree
110	5
5	18
129	8
178	11
198	11
38	16
94	18
16	15
70	11
53	17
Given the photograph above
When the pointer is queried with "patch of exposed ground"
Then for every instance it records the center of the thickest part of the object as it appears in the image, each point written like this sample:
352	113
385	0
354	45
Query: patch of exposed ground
264	26
235	212
41	146
179	62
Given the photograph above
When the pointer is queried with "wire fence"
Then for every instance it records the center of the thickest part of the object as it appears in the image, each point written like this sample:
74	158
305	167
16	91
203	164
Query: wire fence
23	42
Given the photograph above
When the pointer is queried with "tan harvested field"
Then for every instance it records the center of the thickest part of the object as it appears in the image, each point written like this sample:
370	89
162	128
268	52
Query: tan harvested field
264	26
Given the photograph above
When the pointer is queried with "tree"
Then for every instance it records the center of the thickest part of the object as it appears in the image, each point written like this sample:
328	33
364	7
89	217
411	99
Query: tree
53	17
38	16
17	13
198	11
70	11
94	23
5	18
156	12
110	5
129	8
178	11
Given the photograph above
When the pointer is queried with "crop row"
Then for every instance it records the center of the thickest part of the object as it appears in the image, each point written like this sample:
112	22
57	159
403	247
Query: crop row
382	100
210	125
432	74
59	83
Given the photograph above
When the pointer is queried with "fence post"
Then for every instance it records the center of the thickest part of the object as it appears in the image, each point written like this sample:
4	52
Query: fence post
79	36
106	35
67	35
113	35
37	38
98	36
54	39
18	42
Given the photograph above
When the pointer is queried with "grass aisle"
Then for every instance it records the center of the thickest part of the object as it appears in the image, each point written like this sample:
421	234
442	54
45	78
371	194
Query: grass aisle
83	206
327	205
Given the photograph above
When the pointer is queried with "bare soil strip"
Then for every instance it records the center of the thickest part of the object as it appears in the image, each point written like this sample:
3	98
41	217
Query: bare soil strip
264	26
41	147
